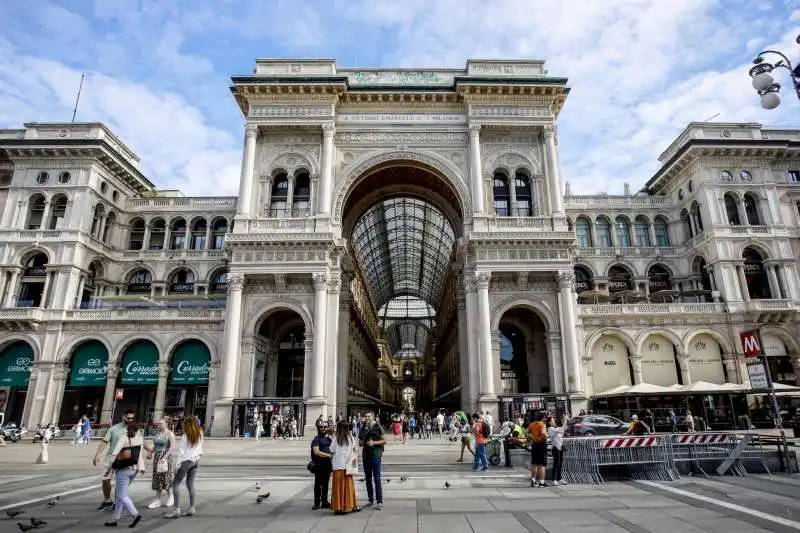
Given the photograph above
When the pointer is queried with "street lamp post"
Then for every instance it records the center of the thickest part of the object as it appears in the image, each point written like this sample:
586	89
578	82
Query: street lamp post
763	81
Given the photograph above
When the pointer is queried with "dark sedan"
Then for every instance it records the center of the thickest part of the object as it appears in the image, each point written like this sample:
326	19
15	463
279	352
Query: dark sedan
588	425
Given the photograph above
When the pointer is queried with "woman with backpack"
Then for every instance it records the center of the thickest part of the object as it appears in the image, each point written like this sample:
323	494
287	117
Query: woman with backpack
127	461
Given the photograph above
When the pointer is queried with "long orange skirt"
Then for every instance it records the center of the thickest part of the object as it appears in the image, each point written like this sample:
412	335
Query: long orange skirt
343	493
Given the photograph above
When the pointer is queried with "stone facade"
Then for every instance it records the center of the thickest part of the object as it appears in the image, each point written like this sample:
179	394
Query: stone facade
608	290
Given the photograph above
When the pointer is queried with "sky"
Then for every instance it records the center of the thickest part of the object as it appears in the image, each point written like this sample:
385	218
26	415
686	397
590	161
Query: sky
158	72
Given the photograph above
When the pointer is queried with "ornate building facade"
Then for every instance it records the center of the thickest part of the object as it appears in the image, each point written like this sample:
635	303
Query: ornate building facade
395	231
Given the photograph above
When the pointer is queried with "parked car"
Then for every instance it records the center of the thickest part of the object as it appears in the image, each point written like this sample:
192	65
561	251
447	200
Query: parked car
588	425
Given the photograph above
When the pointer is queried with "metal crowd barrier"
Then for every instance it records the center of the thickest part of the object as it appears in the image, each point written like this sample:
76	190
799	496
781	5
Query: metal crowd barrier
654	456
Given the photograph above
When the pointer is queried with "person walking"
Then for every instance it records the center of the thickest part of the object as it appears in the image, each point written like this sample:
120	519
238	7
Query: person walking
77	429
321	460
109	443
466	440
372	442
480	432
259	426
345	466
273	425
86	430
673	421
689	422
406	430
489	420
537	432
556	435
127	460
412	425
440	424
191	448
293	428
163	471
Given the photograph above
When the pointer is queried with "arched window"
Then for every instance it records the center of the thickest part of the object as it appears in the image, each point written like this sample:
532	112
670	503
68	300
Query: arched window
177	234
136	240
280	196
583	279
58	209
619	279
731	210
583	232
108	228
219	282
602	231
31	290
756	275
659	279
158	230
218	230
699	268
662	231
36	206
97	220
525	206
623	232
139	282
686	223
501	194
698	218
641	228
199	231
301	201
182	281
751	210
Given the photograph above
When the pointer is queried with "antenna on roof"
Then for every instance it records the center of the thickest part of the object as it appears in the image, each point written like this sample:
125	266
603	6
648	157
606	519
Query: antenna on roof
78	98
711	117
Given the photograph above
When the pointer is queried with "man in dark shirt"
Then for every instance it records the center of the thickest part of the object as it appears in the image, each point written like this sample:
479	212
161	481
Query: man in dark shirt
321	458
372	442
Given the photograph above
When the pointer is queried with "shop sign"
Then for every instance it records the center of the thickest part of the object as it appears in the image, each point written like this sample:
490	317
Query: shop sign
15	371
88	369
190	366
758	375
140	371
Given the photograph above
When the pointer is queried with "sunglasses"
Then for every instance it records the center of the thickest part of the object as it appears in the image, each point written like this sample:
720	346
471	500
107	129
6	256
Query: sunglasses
129	418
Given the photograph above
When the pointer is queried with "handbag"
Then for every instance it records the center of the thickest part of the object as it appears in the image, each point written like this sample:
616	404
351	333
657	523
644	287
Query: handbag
127	457
162	466
311	466
351	468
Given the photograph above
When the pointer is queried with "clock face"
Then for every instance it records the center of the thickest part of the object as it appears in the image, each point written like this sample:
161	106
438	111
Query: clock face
746	176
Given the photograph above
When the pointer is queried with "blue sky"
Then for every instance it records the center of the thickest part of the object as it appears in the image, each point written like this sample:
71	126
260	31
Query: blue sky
158	71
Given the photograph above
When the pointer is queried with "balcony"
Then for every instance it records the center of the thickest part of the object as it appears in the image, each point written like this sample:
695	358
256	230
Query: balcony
24	314
644	251
743	230
173	254
289	225
518	223
37	235
200	203
649	309
602	201
200	314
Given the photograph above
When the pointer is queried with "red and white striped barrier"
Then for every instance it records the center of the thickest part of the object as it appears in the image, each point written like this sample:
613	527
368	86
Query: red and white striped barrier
629	442
702	439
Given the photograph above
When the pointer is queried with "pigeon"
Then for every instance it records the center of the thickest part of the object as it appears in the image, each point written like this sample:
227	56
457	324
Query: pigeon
403	478
53	502
35	522
258	487
261	497
447	484
14	514
25	527
388	480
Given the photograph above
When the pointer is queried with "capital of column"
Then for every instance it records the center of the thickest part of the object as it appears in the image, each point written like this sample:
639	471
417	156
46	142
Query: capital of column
549	131
112	372
320	280
482	280
250	130
235	282
328	130
334	284
163	369
566	279
474	130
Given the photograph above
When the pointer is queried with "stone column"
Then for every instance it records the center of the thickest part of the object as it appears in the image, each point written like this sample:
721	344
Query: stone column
743	283
487	392
161	391
232	336
246	178
326	174
551	156
320	301
512	190
463	352
308	364
636	363
146	238
790	281
683	364
313	193
772	279
568	304
343	343
731	368
46	215
475	168
557	374
267	196
77	301
48	276
109	401
11	295
331	341
271	388
290	197
496	373
473	355
53	403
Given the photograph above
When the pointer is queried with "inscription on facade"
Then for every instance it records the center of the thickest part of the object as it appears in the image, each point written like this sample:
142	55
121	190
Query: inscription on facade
403	118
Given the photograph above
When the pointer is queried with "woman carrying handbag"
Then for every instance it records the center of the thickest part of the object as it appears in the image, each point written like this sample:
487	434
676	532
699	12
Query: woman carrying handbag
127	461
345	466
163	447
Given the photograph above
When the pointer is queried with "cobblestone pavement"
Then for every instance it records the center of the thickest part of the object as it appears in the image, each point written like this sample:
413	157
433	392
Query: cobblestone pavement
499	501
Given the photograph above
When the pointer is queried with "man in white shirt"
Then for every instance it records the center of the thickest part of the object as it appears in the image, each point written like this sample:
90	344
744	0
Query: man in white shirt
489	421
439	423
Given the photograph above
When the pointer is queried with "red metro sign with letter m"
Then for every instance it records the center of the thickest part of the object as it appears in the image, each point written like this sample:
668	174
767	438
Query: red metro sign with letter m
750	343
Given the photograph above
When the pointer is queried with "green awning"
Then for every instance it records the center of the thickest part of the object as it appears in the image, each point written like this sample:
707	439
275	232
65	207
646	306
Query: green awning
190	364
15	365
89	365
140	364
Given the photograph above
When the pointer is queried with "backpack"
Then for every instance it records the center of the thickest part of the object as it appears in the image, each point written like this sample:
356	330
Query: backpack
485	429
539	434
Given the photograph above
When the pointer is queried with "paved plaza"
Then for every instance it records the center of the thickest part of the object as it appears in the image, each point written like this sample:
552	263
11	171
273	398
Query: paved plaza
497	501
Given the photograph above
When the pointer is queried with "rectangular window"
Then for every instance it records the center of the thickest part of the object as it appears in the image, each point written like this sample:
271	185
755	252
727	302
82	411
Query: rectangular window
177	242
642	235
794	176
604	239
523	208
501	208
198	242
583	240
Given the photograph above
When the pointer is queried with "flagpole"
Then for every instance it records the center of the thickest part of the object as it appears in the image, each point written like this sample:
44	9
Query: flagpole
78	98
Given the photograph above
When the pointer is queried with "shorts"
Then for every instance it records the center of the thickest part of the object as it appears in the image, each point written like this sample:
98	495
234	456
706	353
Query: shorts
108	474
539	454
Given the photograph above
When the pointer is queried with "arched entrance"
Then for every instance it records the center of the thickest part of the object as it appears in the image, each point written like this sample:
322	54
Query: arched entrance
401	220
86	383
524	362
187	392
16	361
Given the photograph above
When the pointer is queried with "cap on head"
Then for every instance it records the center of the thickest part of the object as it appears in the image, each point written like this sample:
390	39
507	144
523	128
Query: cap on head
634	417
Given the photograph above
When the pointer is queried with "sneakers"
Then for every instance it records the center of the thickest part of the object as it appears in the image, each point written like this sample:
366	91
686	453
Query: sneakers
170	500
191	511
136	520
155	505
368	505
176	513
106	506
379	507
562	482
555	483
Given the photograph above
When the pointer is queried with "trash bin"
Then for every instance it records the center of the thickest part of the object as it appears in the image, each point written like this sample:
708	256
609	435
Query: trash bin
494	450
